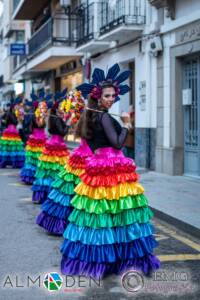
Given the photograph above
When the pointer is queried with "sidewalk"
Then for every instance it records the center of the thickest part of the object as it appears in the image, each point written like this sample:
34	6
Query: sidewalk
175	199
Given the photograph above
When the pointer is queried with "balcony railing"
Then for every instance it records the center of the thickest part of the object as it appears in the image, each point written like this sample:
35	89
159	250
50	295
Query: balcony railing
55	31
85	23
98	18
127	12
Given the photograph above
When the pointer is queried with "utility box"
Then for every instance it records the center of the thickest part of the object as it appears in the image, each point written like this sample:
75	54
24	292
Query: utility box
187	97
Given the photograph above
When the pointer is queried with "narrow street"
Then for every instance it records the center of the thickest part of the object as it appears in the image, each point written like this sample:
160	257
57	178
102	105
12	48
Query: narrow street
26	251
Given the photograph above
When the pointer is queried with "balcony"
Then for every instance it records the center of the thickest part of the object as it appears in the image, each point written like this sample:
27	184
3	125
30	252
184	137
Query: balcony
100	23
56	31
51	45
27	9
87	28
158	3
123	21
168	4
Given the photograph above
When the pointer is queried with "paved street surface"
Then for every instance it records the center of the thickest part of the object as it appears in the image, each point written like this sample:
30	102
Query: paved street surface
27	252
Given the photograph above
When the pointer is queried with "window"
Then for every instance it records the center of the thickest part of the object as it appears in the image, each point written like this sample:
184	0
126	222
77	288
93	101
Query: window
20	36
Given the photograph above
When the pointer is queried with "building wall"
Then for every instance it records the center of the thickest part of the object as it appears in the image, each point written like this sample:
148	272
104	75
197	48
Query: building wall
185	6
180	39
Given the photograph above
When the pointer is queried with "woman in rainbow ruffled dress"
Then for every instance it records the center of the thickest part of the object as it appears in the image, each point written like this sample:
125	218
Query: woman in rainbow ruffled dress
11	145
36	142
54	155
109	229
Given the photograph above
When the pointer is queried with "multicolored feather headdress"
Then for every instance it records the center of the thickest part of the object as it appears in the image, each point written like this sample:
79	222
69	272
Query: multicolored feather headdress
99	79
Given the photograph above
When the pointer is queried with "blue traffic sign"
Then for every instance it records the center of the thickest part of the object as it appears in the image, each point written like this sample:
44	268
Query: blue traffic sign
18	49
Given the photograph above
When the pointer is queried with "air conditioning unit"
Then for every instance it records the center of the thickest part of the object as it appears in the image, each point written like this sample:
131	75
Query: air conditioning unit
155	46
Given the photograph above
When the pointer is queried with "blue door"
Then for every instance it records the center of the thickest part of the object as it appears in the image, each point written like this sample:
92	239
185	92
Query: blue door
191	80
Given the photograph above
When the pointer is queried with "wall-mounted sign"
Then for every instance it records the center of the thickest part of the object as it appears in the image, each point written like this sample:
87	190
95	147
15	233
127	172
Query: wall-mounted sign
142	89
187	97
18	49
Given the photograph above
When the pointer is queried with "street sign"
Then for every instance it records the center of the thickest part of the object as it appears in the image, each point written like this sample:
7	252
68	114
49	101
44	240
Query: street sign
18	49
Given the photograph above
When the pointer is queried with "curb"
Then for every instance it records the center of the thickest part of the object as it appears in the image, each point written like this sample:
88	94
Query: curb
188	228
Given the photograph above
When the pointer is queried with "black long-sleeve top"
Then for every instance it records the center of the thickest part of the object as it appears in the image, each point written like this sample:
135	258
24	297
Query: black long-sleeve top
34	123
57	126
11	118
107	132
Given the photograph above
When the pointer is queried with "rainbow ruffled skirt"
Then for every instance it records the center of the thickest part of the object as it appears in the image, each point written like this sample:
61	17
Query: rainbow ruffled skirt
34	147
57	207
11	148
51	162
109	229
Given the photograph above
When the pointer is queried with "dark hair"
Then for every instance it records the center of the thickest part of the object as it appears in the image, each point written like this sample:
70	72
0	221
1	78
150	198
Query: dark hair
51	117
85	126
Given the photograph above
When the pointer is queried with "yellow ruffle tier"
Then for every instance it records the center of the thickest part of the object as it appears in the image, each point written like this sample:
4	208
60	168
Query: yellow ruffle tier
53	159
34	149
110	193
76	172
11	139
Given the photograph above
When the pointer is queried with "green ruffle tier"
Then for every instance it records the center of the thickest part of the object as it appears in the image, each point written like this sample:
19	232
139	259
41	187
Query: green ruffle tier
126	217
102	206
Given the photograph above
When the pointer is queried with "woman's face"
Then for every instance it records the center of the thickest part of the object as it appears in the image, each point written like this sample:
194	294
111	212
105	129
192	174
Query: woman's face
107	97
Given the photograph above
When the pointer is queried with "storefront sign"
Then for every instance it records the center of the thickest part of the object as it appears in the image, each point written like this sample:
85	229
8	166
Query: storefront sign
68	67
189	33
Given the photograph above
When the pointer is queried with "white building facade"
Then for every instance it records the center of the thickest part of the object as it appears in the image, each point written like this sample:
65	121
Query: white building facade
159	41
12	32
52	61
178	89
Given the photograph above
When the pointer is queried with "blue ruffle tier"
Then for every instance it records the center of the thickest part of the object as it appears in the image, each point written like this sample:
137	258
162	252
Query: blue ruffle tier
109	252
102	236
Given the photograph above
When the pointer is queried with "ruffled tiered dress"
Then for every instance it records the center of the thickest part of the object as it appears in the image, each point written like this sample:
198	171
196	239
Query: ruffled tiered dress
34	147
51	162
57	207
11	148
109	229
